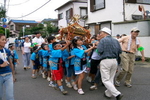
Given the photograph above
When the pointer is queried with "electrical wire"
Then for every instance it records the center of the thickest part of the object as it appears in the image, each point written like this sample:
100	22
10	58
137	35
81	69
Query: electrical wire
35	10
19	3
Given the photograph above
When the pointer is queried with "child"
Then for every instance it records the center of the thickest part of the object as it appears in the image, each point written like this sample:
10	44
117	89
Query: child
50	40
65	62
45	56
35	61
56	64
14	55
80	60
70	70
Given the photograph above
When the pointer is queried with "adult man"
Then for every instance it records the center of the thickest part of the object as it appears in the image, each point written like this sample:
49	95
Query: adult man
38	39
129	46
109	50
117	36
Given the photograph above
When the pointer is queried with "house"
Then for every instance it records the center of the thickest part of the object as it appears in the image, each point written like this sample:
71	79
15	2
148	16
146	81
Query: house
120	16
52	21
70	8
16	25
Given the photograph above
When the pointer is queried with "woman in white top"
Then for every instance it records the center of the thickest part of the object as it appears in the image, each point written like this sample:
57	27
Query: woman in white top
26	52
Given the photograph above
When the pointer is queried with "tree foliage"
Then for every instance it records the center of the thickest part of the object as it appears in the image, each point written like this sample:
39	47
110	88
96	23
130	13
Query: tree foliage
2	12
47	29
2	31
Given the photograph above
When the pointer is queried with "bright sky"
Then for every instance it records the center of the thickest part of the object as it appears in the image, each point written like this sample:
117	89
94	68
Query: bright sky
19	8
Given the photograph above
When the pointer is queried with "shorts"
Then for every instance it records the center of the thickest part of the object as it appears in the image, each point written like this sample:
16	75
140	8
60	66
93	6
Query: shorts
35	67
70	71
57	74
94	65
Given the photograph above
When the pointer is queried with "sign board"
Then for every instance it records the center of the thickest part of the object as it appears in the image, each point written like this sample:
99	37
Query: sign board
4	20
4	26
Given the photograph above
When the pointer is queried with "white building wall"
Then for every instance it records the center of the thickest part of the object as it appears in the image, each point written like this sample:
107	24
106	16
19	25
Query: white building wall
113	11
76	10
63	22
134	9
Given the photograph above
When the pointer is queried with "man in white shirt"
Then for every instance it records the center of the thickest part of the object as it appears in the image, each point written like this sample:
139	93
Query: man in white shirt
38	38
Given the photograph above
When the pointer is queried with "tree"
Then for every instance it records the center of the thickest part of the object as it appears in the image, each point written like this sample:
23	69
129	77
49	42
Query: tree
2	31
2	12
50	28
31	30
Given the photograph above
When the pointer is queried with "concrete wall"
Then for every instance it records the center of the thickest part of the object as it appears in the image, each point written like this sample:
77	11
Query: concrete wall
145	42
133	9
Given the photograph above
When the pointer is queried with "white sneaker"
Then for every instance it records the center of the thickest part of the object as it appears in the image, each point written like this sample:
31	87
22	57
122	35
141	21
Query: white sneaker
69	85
43	75
80	91
93	87
89	79
48	78
75	87
51	85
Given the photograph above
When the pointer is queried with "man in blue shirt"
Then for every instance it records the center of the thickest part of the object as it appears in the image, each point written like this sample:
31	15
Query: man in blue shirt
109	50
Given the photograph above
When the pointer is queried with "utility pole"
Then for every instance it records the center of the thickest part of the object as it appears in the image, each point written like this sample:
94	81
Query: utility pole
5	16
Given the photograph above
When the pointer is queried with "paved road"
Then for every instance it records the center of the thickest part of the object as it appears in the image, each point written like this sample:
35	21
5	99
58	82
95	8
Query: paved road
27	88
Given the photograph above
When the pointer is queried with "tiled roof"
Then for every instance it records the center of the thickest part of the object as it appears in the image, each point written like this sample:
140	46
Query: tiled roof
24	21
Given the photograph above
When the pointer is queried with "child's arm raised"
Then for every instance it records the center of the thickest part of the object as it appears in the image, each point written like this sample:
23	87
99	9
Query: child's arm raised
92	47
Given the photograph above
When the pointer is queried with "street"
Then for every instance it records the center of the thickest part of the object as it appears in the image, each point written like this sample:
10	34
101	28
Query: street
27	88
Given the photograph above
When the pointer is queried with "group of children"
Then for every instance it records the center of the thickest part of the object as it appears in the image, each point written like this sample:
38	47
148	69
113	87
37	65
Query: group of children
62	60
59	60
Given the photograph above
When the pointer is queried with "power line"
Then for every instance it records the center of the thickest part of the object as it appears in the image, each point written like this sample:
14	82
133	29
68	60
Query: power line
35	9
19	3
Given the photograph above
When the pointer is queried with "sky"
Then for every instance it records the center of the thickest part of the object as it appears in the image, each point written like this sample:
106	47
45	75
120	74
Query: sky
19	8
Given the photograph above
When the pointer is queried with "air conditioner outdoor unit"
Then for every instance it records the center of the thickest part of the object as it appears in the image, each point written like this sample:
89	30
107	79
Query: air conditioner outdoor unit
137	17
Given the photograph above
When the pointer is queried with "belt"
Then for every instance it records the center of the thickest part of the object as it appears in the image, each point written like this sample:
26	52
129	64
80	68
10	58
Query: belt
128	52
5	74
109	58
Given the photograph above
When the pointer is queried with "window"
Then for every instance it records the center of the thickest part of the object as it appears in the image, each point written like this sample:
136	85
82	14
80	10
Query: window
11	27
138	1
97	5
69	13
60	16
83	11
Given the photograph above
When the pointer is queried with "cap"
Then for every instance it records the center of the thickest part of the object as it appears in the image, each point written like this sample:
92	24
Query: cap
10	45
36	48
135	29
117	35
107	30
54	44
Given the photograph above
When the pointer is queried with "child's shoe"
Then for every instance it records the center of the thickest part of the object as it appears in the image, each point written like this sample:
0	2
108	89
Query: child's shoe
69	85
64	92
48	79
43	75
80	91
